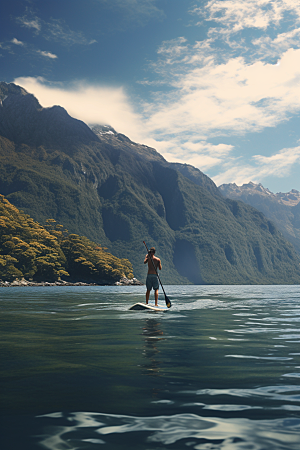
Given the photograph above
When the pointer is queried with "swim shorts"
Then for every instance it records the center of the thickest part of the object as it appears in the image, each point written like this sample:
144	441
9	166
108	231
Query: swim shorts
152	282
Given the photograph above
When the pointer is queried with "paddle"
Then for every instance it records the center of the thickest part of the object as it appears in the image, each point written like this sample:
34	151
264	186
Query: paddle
168	301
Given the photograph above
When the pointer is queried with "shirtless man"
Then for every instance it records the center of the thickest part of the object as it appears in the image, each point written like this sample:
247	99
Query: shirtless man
152	280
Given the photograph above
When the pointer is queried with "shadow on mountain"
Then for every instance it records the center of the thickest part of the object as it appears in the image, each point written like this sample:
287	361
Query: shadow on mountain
115	226
168	187
109	188
186	262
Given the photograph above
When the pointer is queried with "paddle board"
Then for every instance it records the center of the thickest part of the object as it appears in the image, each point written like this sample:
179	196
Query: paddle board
143	307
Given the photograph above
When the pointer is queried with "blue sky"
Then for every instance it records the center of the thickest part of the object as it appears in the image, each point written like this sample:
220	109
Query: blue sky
215	84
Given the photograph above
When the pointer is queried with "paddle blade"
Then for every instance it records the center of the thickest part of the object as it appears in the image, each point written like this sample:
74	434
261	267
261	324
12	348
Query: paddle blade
168	302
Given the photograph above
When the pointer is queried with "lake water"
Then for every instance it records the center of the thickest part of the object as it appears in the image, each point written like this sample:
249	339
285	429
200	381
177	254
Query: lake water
220	370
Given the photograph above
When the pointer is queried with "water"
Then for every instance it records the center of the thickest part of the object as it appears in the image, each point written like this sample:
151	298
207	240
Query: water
220	370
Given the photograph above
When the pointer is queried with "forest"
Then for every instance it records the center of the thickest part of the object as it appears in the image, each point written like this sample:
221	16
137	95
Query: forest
50	253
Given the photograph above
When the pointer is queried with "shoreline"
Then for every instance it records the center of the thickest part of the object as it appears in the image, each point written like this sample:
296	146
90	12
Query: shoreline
24	283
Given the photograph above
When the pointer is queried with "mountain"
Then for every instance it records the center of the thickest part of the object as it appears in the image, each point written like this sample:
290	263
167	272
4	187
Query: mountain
282	208
98	183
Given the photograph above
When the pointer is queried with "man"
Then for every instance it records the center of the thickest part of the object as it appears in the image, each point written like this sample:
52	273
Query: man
152	280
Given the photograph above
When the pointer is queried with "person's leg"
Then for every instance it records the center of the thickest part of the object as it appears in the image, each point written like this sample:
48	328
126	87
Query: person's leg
156	297
147	296
148	287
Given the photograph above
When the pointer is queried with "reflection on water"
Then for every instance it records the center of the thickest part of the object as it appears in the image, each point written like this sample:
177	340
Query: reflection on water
220	370
152	334
200	433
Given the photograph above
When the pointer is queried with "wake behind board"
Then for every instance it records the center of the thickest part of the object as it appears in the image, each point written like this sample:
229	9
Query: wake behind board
144	307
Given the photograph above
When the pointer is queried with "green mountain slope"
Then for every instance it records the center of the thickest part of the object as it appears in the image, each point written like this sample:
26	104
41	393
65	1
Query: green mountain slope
100	184
49	253
282	208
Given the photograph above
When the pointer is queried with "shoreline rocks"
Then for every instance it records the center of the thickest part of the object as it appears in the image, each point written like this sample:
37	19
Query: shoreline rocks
19	283
126	282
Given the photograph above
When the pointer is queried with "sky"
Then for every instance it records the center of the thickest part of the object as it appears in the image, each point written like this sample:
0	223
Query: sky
211	83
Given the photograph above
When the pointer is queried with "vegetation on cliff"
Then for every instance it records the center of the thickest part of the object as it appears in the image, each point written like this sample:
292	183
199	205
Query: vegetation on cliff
29	250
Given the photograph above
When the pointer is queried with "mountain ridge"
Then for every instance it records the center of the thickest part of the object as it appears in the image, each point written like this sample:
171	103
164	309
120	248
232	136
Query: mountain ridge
291	198
119	193
282	208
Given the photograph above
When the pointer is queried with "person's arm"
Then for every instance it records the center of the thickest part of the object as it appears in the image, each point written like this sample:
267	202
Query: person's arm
146	259
159	264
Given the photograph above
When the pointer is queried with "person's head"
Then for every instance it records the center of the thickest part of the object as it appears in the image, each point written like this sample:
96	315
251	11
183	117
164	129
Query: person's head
152	250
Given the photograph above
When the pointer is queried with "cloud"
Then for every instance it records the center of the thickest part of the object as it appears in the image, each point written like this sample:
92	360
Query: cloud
280	163
242	78
269	47
236	15
173	49
234	97
30	22
238	24
46	54
16	42
202	154
30	49
137	11
277	165
90	103
56	30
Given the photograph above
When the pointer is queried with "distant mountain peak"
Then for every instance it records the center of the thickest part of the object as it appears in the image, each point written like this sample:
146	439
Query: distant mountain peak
102	129
231	190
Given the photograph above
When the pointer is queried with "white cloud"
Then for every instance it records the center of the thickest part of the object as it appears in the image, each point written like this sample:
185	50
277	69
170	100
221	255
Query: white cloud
269	47
237	25
234	97
215	93
30	22
177	56
16	42
278	165
53	30
173	48
219	150
47	54
236	15
137	11
57	30
30	50
92	104
201	154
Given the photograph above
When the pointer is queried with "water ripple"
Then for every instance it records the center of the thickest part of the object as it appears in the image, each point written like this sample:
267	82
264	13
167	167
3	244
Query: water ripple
268	358
191	430
289	393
